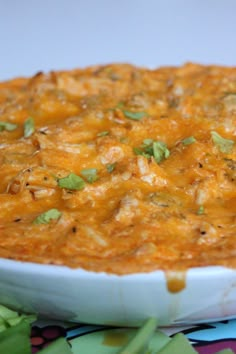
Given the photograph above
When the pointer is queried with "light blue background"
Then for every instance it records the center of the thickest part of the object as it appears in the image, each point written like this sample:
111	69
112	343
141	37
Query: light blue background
63	34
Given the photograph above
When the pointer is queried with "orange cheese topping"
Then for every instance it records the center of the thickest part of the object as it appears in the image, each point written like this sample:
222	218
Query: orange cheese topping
122	170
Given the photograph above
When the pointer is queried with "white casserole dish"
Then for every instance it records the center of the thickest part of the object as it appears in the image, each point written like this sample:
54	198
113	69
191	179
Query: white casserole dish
98	298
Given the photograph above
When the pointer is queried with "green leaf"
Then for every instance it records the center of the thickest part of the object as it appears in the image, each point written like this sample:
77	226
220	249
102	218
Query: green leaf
142	337
11	318
104	133
134	115
160	151
6	313
224	145
47	216
3	327
15	331
28	318
179	344
72	181
7	126
90	174
188	141
16	339
110	167
29	127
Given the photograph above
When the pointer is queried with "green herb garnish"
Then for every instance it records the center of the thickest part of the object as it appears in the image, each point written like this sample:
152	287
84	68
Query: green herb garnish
129	114
90	174
104	133
7	126
134	115
201	210
188	141
29	127
145	149
110	167
47	216
160	151
149	148
147	142
224	145
72	181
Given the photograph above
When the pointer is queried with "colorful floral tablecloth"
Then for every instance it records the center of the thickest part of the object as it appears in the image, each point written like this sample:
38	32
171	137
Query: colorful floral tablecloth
85	339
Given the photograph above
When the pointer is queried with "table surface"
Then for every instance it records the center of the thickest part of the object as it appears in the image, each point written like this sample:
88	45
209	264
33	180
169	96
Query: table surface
206	338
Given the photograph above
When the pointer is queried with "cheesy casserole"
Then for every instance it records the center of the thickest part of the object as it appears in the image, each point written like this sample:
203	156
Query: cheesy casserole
120	169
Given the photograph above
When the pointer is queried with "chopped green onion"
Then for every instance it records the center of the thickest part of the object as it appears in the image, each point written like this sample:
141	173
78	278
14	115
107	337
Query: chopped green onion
142	337
224	145
110	167
90	174
179	344
59	345
29	127
72	181
7	126
188	141
134	115
47	216
201	210
104	133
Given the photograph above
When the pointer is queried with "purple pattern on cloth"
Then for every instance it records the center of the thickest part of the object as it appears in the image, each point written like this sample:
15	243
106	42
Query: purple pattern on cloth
212	348
42	337
206	339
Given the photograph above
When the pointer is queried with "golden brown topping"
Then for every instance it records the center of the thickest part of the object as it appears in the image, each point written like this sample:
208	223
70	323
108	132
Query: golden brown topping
120	169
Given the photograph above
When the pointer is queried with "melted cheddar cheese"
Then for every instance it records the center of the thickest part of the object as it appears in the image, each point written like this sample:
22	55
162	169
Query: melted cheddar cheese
120	169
